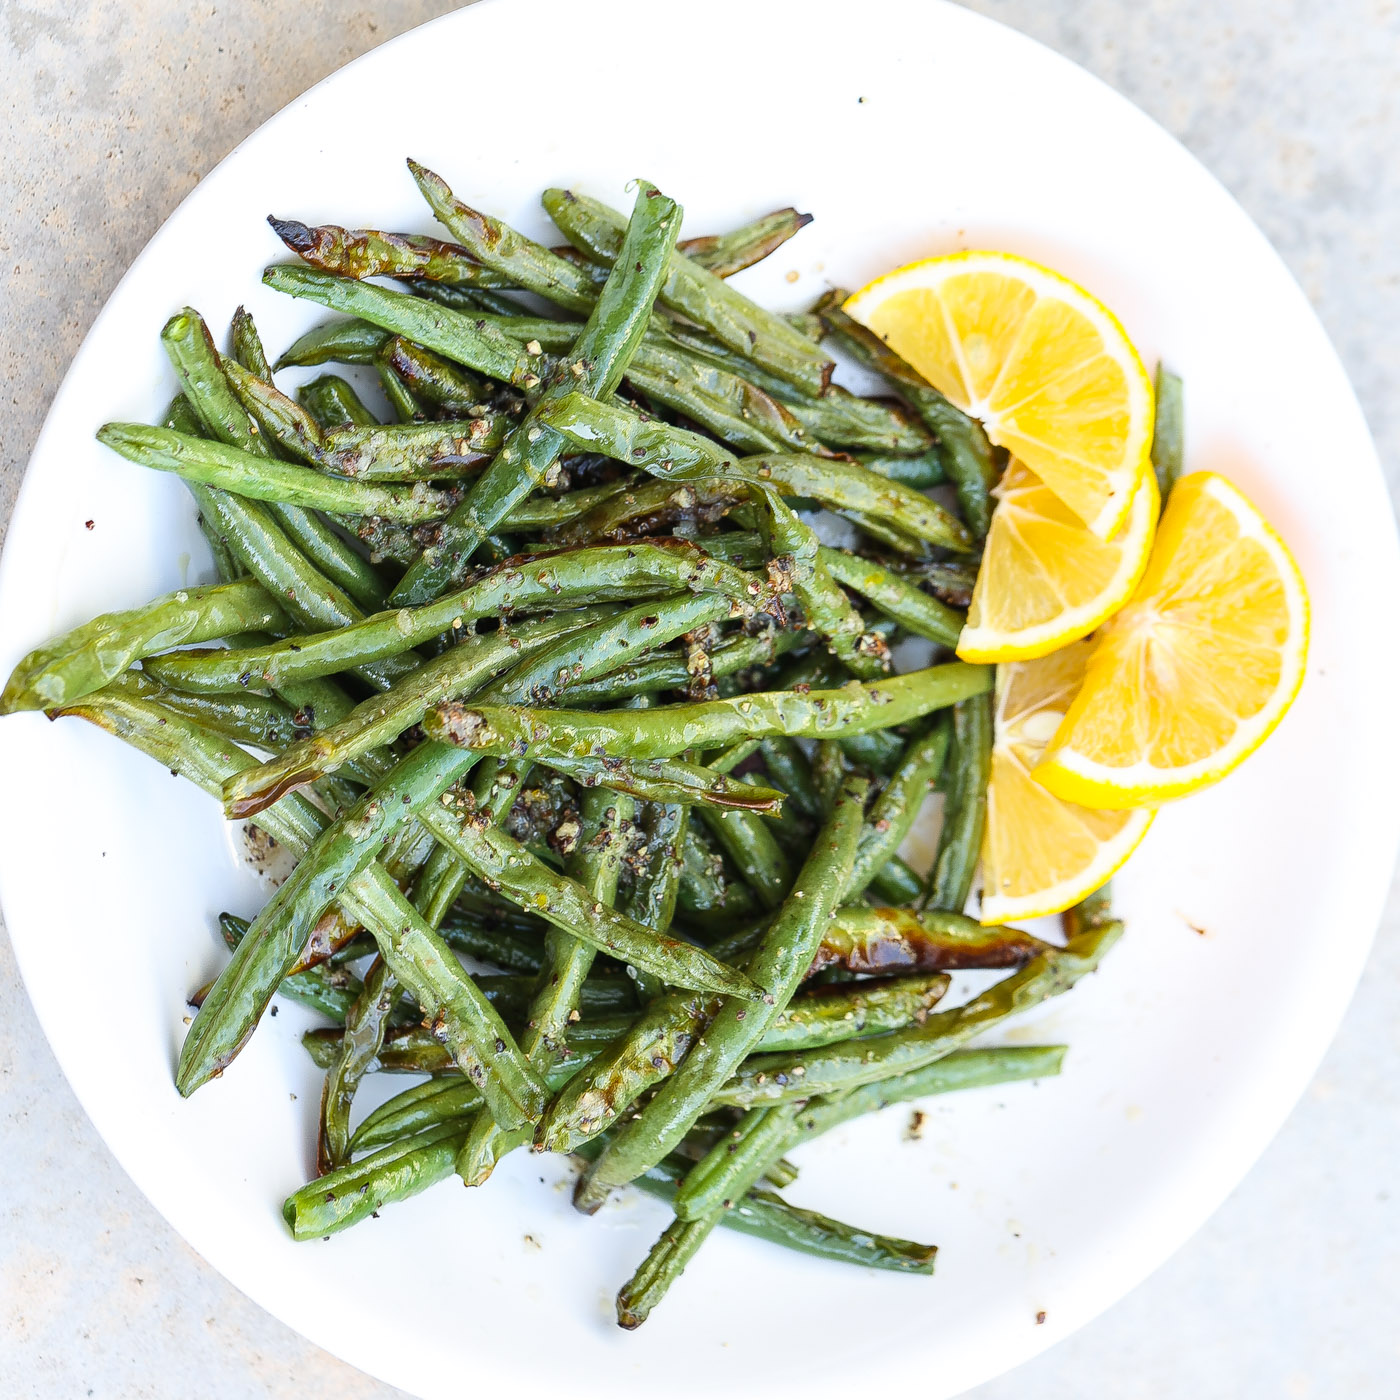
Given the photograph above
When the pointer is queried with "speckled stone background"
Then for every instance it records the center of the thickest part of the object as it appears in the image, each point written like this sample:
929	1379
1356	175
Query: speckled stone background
111	115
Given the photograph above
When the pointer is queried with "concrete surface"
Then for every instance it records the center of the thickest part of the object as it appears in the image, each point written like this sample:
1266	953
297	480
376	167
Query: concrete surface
112	113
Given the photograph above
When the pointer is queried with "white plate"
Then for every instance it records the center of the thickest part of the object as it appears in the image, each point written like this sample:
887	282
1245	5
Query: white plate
908	129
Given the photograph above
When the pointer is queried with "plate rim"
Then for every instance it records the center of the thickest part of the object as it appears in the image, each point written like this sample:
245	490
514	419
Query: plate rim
1223	1182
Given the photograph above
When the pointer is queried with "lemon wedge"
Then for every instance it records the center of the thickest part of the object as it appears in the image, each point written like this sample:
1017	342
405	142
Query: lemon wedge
1047	368
1040	854
1198	669
1046	580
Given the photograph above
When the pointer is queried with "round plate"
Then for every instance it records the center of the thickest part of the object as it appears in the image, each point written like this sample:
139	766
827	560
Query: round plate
908	129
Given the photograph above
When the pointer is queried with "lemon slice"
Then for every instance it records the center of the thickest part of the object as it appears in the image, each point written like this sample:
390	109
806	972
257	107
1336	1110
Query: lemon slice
1039	854
1195	673
1046	367
1046	579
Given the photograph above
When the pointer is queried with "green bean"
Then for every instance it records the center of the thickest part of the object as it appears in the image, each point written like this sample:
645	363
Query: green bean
725	254
669	781
210	384
346	342
918	472
361	253
439	1101
432	379
896	882
827	609
413	1049
962	1069
739	413
424	1106
245	416
323	987
897	808
228	569
283	421
333	403
789	771
635	1061
264	479
655	623
190	349
405	405
1168	431
459	1014
823	1015
735	1164
258	720
180	415
1093	911
842	419
496	245
699	296
519	261
882	941
280	419
548	513
748	842
949	583
677	1246
765	1215
675	454
965	808
838	418
365	1026
878	749
967	455
895	596
462	338
671	729
473	300
745	549
657	885
562	902
658	507
768	1079
508	947
597	866
828	772
335	854
89	656
408	791
704	888
406	1167
557	581
247	344
354	1192
670	672
827	1015
414	451
382	718
330	554
597	361
777	965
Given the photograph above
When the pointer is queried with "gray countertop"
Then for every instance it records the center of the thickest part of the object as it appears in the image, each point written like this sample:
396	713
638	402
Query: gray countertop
112	113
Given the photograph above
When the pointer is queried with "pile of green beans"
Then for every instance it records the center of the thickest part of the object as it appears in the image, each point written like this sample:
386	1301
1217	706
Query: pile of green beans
543	661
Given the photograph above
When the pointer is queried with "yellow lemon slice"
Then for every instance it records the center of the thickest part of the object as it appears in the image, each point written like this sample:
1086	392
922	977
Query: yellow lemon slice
1046	579
1040	854
1045	366
1195	673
